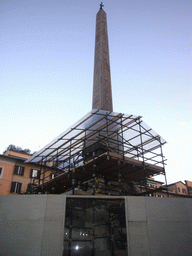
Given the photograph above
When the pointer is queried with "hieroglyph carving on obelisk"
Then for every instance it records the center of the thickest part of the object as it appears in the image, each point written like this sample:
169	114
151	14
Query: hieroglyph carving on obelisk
102	93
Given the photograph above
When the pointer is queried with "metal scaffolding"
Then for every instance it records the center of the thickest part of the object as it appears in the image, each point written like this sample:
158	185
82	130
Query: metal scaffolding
103	153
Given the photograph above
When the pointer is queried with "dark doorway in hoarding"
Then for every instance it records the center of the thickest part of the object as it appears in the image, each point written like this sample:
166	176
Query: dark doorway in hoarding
95	227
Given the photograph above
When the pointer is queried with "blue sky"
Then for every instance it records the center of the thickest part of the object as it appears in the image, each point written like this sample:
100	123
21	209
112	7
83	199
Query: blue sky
46	69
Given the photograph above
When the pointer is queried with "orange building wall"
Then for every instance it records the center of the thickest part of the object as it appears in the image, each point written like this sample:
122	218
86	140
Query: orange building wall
25	179
7	177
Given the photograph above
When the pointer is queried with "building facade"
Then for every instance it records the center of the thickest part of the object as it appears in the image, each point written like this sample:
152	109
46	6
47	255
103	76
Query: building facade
156	188
16	175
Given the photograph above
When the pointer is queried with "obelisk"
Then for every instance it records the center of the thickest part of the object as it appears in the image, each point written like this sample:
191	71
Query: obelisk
102	93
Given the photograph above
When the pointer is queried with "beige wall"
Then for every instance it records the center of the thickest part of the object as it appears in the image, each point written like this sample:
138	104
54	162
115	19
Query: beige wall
17	153
33	225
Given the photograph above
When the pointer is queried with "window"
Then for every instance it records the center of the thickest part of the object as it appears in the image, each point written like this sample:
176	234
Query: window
19	170
178	189
35	174
16	187
1	172
52	176
184	191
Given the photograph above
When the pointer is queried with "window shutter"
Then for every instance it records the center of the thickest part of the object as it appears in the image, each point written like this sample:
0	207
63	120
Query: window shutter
1	172
29	187
16	169
22	170
13	186
31	172
18	188
38	174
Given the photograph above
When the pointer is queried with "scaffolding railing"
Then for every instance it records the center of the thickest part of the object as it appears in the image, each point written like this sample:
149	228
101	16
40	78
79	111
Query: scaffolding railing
112	147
